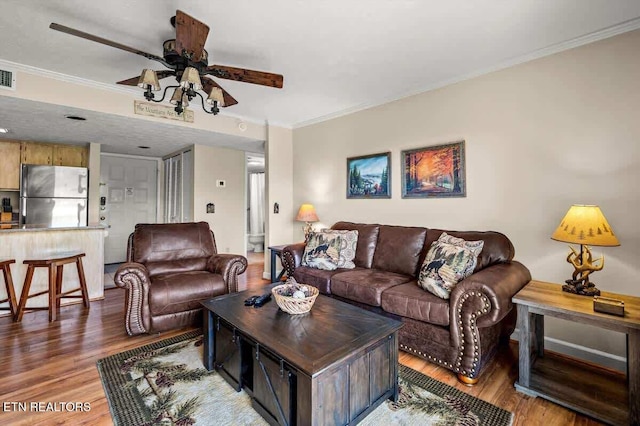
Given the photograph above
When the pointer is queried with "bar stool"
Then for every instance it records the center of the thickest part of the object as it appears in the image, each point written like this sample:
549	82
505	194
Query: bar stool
55	267
8	282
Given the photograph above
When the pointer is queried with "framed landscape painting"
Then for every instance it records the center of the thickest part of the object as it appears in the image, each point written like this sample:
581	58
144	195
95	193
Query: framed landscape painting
369	176
434	172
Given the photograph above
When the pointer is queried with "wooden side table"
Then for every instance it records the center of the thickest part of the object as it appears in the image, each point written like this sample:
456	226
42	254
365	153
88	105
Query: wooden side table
276	253
606	397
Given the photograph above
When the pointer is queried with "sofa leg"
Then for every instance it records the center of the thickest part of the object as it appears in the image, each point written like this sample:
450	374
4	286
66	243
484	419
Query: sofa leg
467	381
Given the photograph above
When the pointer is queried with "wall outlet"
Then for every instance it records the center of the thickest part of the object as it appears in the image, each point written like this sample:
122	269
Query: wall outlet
221	183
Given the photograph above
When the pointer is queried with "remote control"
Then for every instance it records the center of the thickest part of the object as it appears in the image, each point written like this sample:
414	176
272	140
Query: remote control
250	301
262	300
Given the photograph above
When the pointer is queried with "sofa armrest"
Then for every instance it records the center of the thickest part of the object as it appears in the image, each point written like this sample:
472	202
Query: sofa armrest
134	278
481	300
292	257
229	266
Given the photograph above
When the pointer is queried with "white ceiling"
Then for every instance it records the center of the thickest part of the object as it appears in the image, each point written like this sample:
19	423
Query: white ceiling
336	56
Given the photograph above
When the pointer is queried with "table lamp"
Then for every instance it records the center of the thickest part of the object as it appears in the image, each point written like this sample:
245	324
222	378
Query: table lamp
584	225
307	213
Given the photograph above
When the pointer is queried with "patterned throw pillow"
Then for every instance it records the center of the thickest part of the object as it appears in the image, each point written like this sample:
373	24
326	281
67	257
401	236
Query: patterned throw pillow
322	251
449	261
347	249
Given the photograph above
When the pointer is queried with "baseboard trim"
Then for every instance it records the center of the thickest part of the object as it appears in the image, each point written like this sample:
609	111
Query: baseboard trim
584	353
266	275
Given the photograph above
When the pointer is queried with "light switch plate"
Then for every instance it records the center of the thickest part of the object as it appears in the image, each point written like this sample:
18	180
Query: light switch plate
221	183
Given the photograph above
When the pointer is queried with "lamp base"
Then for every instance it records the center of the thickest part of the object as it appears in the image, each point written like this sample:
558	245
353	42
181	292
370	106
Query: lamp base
578	287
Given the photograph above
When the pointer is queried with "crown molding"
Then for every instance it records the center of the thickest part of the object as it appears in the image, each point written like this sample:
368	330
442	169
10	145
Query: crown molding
612	31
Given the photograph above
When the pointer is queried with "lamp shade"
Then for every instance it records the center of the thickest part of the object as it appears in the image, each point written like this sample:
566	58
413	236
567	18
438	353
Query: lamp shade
307	213
216	96
149	78
191	76
179	95
585	225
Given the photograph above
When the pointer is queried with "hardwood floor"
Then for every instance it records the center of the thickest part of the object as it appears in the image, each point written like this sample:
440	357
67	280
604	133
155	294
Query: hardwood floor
42	362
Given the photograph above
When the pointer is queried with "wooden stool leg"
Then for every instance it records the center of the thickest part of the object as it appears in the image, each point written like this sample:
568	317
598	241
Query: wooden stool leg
53	286
25	293
83	282
11	294
59	273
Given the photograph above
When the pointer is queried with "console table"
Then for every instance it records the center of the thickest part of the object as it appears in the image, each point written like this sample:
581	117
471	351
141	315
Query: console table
591	391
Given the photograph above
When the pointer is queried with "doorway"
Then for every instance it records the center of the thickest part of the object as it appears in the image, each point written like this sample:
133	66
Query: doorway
128	195
255	203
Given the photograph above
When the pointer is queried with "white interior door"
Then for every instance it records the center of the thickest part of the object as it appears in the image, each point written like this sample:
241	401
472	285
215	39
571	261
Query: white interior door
129	187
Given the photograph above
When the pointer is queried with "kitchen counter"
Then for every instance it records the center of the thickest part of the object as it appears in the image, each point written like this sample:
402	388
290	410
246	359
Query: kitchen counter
38	242
34	227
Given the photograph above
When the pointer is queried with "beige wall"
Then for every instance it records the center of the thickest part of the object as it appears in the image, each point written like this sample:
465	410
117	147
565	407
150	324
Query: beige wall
539	137
228	221
279	189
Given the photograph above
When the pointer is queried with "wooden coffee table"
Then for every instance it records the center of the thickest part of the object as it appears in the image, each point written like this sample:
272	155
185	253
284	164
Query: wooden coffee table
333	365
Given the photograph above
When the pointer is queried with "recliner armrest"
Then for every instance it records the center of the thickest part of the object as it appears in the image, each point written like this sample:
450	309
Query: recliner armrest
134	278
292	257
229	266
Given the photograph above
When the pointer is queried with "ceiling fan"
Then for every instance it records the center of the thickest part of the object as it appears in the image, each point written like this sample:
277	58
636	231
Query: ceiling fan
187	60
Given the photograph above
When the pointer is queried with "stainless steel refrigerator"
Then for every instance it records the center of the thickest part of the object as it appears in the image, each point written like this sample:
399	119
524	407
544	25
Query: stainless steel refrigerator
53	196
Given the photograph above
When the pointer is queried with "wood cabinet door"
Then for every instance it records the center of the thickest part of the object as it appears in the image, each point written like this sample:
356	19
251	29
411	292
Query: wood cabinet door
37	153
69	155
9	165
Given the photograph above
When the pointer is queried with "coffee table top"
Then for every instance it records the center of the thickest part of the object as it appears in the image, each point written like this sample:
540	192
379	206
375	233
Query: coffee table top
312	342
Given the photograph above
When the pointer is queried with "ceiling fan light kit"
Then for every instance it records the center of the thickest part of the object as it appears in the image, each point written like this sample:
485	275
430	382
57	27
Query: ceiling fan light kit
187	61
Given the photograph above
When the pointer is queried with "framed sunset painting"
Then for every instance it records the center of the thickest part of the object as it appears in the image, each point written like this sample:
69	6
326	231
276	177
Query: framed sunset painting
434	171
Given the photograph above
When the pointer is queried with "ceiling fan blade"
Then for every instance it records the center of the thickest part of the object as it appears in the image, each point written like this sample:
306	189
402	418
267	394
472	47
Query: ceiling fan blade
246	76
104	41
207	84
133	81
191	35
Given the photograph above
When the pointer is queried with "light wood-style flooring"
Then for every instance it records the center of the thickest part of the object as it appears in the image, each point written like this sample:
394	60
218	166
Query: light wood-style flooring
44	362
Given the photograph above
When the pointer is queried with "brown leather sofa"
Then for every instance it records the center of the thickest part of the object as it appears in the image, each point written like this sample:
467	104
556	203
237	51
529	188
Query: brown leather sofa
462	333
170	268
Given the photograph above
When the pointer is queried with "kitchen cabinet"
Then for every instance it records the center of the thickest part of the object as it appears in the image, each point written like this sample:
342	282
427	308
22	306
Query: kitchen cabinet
69	155
10	165
37	153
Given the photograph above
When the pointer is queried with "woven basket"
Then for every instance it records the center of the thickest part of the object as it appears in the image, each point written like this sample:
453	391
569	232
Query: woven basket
292	305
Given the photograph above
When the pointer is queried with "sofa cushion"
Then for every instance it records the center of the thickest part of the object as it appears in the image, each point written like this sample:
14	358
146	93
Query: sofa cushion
365	285
497	247
322	251
409	300
449	260
367	238
348	246
172	293
316	277
398	249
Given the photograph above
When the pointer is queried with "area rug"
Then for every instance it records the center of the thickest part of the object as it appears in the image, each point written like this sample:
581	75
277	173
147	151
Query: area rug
165	383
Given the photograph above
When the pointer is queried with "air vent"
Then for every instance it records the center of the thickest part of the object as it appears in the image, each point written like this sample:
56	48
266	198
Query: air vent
7	79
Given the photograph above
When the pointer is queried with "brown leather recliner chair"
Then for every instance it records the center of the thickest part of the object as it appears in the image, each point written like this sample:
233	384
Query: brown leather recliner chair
170	269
